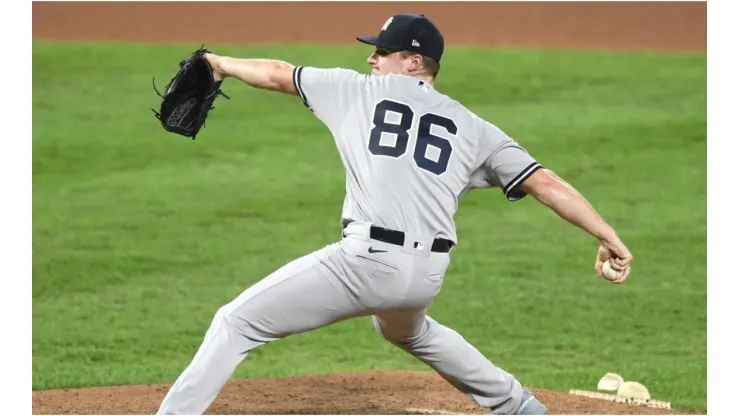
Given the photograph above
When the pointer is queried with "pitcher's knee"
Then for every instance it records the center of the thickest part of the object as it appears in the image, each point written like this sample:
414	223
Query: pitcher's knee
218	319
239	323
249	322
221	313
225	320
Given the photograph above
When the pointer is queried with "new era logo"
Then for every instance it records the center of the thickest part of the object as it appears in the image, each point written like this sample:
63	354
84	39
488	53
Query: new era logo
415	43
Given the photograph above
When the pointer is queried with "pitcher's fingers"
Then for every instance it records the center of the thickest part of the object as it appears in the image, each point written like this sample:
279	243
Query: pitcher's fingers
616	266
597	268
623	276
621	262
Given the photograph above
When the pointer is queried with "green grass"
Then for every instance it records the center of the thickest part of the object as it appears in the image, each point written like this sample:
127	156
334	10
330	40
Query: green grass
139	236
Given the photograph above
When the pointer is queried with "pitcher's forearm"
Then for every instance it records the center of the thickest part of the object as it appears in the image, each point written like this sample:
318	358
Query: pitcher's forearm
573	208
267	74
565	201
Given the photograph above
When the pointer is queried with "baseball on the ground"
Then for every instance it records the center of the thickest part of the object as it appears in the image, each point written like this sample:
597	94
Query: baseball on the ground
609	273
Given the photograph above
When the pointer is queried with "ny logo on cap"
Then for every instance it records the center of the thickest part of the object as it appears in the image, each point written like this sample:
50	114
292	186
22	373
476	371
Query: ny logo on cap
387	23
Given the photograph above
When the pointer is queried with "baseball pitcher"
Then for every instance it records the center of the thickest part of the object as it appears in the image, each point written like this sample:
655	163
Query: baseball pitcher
410	153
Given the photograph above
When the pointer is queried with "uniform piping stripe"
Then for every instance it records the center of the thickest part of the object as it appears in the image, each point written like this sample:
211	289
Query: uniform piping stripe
521	177
297	83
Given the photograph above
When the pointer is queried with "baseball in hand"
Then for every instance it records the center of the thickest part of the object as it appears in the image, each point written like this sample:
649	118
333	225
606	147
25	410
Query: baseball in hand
609	273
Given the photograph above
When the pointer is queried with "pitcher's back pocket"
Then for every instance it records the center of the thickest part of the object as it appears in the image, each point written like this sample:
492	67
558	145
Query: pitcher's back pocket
376	264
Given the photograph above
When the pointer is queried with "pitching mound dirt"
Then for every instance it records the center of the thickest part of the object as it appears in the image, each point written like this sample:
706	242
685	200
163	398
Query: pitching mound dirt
383	392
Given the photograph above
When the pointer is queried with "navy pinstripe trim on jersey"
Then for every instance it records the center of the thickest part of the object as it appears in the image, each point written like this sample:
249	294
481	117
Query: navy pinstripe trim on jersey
511	189
297	84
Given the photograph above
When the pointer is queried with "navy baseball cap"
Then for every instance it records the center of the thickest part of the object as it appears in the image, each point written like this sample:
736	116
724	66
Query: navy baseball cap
409	32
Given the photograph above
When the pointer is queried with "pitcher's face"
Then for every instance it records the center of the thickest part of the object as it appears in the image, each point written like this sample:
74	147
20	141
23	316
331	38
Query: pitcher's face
385	61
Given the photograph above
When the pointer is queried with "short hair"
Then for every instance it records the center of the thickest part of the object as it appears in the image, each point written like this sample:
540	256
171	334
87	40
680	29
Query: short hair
430	65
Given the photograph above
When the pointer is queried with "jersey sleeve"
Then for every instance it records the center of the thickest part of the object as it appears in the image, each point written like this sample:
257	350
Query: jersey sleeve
328	92
509	164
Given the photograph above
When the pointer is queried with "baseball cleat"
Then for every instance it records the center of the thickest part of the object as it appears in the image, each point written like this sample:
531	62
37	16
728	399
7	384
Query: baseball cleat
530	405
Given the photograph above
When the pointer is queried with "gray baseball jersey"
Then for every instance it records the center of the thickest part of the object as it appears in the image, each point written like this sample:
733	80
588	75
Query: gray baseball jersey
410	153
396	126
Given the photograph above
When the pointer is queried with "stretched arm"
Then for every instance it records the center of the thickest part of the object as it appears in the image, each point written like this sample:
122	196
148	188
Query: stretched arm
266	74
564	200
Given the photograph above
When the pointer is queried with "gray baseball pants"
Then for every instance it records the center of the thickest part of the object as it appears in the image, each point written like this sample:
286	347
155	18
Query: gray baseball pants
345	280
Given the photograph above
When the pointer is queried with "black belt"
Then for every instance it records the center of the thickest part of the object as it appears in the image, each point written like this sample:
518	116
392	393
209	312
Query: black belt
440	245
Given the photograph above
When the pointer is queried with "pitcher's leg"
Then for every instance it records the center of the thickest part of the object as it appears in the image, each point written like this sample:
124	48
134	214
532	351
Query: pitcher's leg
458	362
301	296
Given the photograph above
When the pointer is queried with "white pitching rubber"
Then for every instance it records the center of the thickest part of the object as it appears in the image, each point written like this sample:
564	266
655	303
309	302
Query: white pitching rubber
620	399
610	382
